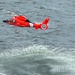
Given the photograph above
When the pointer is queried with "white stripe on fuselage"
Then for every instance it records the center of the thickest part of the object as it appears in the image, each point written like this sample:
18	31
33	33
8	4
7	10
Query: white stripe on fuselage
31	24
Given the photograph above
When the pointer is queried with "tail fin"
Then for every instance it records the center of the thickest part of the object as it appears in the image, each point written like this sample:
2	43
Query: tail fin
44	24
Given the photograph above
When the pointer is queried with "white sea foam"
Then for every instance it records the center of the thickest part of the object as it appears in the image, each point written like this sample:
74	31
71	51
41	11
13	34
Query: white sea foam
58	58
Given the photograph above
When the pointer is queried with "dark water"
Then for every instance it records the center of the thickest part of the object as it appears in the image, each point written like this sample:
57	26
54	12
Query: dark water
26	51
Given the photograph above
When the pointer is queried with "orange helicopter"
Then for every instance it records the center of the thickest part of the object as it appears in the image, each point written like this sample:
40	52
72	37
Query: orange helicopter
22	21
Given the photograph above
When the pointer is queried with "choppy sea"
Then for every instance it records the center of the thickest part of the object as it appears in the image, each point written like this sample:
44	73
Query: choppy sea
26	51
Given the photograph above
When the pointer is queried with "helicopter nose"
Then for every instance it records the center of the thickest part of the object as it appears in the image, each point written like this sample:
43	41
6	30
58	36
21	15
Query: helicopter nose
5	21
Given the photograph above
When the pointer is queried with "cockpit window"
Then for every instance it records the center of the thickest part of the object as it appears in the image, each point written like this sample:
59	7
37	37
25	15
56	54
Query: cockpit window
12	20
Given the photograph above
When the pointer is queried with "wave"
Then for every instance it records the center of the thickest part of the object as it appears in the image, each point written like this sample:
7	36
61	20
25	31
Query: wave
38	60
